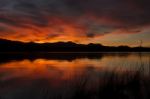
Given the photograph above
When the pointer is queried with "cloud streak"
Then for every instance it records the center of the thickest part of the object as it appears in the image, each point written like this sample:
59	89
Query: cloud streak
72	19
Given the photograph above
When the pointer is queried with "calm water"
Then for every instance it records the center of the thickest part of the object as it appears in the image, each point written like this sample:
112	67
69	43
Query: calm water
74	76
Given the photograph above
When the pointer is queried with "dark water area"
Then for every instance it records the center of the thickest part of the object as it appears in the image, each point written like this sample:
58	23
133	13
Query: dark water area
74	75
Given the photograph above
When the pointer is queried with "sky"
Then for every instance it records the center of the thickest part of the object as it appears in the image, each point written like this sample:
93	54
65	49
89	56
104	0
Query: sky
109	22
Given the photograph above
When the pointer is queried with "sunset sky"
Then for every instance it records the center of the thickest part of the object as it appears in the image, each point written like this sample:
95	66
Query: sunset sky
109	22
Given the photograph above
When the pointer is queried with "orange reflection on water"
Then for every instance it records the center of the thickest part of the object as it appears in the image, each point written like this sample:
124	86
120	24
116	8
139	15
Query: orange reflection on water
42	77
64	70
42	68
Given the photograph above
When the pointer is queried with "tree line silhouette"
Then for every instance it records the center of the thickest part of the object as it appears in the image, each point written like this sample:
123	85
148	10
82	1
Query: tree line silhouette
17	46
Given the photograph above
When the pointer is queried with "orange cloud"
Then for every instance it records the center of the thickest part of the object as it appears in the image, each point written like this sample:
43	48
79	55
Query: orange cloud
71	20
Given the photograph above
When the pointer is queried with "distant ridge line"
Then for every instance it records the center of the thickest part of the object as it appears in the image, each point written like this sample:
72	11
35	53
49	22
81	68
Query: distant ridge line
17	46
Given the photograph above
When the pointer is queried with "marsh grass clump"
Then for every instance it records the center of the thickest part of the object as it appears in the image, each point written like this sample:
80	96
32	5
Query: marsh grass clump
125	85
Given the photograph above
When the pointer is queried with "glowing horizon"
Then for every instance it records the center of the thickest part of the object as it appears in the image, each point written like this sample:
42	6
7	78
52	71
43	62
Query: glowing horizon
108	22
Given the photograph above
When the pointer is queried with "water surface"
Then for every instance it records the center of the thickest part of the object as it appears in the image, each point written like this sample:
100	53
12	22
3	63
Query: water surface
74	76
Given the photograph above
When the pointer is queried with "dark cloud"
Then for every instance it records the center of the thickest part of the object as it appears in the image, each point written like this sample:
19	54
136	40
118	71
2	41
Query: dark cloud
90	35
23	21
89	15
128	12
6	30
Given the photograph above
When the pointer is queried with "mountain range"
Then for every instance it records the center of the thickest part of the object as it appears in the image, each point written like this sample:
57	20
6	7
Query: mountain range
17	46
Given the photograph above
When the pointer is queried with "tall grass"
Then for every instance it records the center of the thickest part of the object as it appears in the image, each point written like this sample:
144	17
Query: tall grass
127	85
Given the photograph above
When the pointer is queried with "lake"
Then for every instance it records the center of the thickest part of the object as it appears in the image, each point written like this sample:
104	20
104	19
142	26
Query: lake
74	75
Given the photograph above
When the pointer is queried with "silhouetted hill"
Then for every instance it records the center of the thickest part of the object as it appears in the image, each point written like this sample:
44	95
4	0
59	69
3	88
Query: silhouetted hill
16	46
